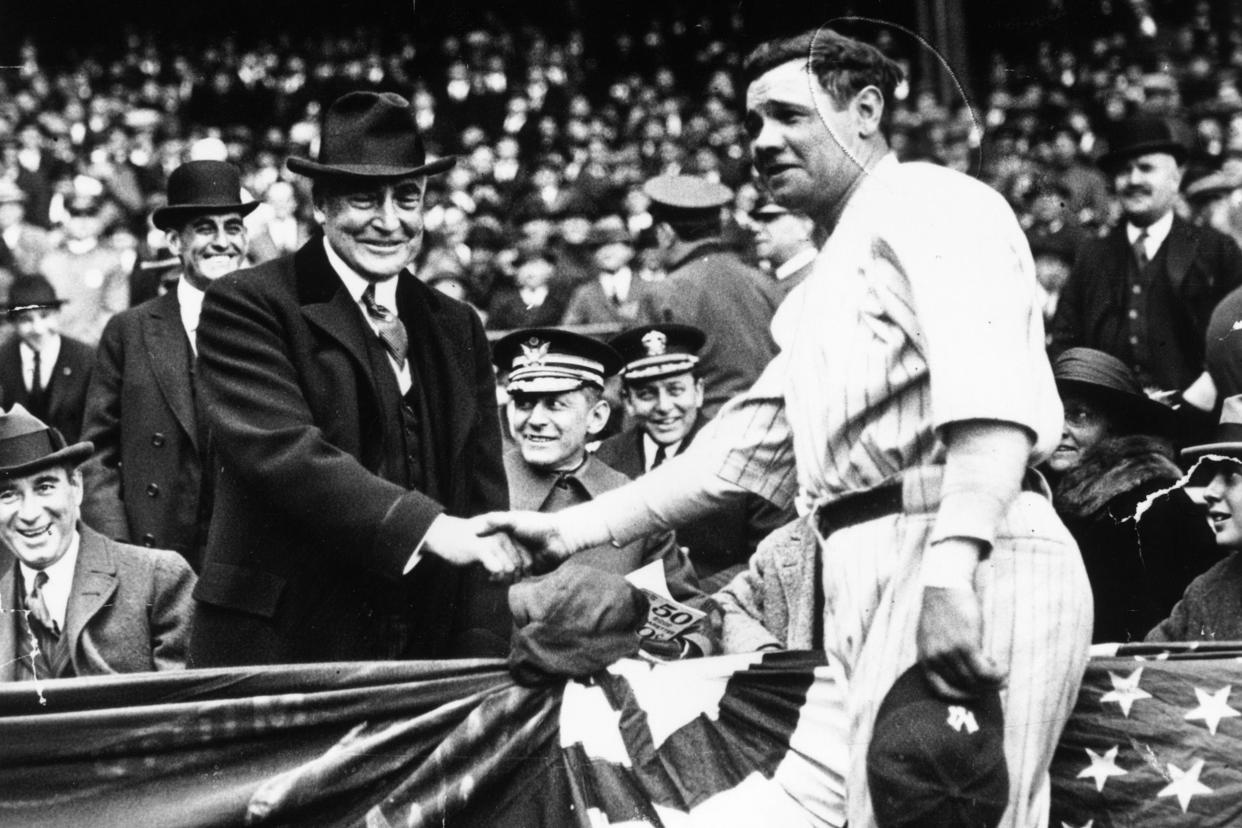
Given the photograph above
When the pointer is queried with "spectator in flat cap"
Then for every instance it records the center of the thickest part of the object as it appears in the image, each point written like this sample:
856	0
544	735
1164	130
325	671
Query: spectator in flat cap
663	397
143	407
1145	292
354	413
41	368
784	240
709	287
556	405
616	294
93	606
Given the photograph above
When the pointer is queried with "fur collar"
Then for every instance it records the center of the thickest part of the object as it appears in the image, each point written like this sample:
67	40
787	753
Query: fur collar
1114	467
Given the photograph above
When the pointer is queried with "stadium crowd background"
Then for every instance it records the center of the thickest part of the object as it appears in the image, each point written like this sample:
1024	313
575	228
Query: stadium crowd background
560	116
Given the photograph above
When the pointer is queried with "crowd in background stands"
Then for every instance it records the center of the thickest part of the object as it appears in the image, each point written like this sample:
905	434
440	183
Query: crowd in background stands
555	136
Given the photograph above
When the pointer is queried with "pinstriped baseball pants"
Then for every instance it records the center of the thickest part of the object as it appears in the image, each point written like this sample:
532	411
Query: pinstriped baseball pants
1037	612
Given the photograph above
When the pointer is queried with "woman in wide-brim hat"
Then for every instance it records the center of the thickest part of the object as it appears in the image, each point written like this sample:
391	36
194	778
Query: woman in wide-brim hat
1211	608
1115	453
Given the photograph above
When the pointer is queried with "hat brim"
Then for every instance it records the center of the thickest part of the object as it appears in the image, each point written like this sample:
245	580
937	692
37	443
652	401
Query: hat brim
1110	160
12	309
1228	451
171	216
1142	413
74	455
313	169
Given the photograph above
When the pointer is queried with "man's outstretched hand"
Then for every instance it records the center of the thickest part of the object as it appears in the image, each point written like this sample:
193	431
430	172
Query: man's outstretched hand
950	644
461	541
536	532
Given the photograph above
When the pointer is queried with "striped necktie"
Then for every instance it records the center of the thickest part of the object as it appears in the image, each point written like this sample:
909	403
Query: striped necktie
1140	249
390	329
37	607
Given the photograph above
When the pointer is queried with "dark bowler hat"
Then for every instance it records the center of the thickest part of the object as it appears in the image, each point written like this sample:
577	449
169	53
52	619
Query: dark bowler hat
1144	134
655	351
549	360
934	763
1103	376
686	198
32	292
370	135
28	445
198	187
1227	438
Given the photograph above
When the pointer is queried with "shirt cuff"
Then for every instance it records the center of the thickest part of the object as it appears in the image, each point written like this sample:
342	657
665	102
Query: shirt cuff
418	550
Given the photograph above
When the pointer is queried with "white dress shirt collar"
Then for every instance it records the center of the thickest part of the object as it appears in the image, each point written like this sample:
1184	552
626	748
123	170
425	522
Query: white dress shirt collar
190	302
59	581
385	296
47	361
799	260
650	447
1157	232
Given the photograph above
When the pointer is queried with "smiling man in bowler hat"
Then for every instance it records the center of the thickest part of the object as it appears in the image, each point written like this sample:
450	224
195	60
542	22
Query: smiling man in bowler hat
1145	292
40	368
150	480
353	411
93	606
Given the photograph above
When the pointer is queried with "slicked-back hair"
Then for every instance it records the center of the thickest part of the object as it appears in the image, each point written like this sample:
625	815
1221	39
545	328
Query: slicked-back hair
844	66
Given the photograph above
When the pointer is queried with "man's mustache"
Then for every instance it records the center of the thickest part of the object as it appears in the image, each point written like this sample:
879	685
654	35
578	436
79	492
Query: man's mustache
1130	191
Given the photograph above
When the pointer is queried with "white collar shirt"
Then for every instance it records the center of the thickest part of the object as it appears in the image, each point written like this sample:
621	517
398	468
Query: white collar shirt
59	581
190	302
47	362
385	296
799	260
650	447
1157	232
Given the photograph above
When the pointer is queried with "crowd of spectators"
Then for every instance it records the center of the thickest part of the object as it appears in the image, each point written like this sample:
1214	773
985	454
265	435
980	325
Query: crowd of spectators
555	133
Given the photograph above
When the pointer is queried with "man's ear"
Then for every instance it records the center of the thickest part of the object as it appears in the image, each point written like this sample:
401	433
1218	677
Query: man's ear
699	389
173	237
868	107
597	417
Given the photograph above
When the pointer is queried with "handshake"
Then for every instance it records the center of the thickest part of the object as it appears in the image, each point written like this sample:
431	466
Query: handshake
509	545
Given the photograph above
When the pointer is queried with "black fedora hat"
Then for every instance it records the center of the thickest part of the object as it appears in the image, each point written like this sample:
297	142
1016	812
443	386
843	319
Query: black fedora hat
1226	438
198	187
370	135
27	445
32	292
1144	134
1102	376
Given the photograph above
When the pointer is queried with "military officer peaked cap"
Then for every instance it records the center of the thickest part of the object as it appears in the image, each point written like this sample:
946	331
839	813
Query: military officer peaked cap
550	360
655	351
686	197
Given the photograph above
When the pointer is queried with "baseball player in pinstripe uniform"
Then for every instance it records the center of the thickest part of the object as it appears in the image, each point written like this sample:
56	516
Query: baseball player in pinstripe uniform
910	396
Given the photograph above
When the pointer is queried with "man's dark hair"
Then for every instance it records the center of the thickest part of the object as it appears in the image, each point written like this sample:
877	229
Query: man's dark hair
844	66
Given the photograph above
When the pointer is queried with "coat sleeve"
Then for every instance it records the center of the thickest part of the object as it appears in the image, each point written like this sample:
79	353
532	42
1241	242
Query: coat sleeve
489	484
103	503
170	603
267	437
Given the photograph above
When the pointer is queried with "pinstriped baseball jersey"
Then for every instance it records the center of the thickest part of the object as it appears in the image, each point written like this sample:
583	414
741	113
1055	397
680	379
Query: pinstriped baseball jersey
915	316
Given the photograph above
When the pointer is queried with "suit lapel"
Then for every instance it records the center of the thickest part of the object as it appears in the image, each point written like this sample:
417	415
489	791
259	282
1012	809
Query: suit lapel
8	620
446	381
168	353
1182	243
328	307
94	582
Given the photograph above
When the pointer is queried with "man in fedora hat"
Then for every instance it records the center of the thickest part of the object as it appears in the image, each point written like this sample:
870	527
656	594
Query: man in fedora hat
92	606
616	294
150	481
40	368
1145	291
709	287
353	409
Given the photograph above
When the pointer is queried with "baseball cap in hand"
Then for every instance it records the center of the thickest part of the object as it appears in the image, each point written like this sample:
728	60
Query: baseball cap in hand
935	763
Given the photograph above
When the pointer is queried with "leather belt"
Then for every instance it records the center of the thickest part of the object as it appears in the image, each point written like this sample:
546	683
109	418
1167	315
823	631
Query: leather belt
859	507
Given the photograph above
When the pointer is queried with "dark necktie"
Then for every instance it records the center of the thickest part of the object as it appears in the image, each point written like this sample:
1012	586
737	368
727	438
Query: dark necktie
1140	249
36	380
660	456
391	330
39	613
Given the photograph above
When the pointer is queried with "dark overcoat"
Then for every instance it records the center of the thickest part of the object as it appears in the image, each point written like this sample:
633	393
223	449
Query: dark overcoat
314	520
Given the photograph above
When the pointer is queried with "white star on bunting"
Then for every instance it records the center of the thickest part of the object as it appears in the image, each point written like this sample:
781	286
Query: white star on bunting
1213	707
1101	767
1185	784
1125	690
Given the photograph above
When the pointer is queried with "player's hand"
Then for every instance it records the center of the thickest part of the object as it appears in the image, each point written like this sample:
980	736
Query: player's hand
950	639
537	532
460	541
